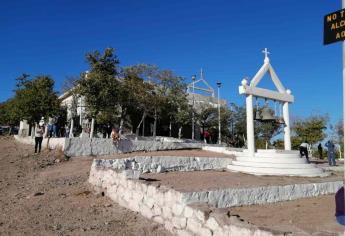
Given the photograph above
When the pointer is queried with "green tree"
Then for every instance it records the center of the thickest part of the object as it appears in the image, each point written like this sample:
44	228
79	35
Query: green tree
182	116
238	125
152	92
208	119
311	129
176	106
99	86
138	93
34	98
8	114
338	135
172	99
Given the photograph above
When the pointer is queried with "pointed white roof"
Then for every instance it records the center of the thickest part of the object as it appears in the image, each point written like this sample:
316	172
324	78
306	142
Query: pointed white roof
281	94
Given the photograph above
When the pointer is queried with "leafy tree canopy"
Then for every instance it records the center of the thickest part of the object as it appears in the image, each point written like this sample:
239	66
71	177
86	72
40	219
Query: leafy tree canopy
99	86
34	98
311	129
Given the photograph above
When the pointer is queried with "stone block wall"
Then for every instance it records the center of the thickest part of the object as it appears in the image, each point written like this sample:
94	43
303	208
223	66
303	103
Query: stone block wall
51	143
100	146
157	164
261	195
166	206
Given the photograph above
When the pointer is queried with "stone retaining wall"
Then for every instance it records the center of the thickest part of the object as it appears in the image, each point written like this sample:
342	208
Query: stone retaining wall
190	213
51	143
260	195
100	146
166	206
157	164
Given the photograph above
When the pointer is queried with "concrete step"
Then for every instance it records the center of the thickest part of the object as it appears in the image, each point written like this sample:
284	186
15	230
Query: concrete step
306	172
274	165
278	159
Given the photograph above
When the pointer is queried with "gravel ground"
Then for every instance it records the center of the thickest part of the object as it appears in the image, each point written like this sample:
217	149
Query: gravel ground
42	196
309	216
39	196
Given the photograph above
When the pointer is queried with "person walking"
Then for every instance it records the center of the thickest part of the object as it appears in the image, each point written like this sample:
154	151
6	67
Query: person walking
331	158
303	150
320	150
39	137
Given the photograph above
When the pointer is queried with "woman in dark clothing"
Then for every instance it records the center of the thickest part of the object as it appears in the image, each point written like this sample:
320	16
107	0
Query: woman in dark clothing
38	138
320	149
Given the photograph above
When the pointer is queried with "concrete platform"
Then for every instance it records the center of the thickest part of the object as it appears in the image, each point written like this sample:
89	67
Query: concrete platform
275	162
152	197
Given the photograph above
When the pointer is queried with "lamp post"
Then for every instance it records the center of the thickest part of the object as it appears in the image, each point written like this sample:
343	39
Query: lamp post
155	116
219	132
193	121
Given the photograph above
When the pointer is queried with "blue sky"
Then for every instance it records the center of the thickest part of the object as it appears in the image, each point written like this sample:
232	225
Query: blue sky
225	38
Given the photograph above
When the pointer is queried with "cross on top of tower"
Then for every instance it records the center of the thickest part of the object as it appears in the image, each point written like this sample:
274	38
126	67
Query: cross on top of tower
266	52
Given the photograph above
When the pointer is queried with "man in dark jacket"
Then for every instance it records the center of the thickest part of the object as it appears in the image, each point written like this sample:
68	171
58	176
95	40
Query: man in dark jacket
320	149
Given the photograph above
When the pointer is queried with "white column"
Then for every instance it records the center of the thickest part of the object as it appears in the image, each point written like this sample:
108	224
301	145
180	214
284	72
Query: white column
250	125
33	129
287	138
92	127
71	129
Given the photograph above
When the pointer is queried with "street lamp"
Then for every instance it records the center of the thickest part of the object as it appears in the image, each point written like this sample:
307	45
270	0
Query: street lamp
193	81
219	132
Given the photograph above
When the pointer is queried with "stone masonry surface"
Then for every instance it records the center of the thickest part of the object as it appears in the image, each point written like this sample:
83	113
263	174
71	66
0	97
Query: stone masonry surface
166	206
157	164
260	195
188	213
100	146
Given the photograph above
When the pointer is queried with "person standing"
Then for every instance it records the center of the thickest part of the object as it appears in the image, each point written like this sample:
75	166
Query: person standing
115	136
331	158
303	150
320	150
206	136
108	131
39	137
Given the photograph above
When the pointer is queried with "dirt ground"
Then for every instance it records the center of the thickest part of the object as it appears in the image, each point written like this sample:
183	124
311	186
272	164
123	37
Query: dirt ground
41	197
313	216
212	180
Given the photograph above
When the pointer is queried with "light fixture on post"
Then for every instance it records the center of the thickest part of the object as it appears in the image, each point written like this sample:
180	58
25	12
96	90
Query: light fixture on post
219	128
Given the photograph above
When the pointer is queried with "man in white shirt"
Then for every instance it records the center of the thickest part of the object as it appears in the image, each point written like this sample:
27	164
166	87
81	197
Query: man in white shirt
303	150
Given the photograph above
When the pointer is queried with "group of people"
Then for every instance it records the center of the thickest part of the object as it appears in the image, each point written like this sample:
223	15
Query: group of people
303	149
40	130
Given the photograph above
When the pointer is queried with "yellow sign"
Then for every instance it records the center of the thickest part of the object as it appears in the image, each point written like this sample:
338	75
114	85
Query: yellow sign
334	27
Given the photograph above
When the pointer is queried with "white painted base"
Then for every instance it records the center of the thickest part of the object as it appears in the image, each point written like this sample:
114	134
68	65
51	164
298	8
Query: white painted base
275	162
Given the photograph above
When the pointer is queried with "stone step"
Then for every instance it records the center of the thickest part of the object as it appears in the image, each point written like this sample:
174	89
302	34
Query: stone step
306	172
277	159
274	165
